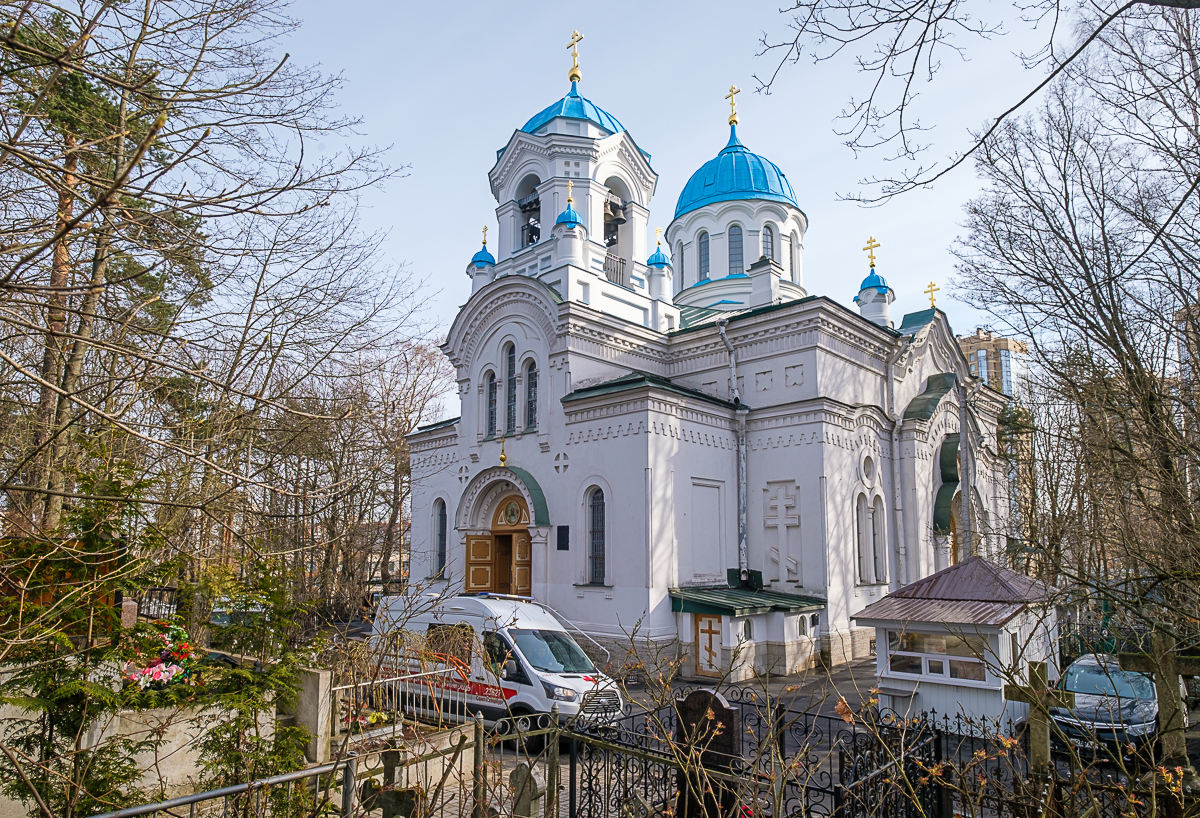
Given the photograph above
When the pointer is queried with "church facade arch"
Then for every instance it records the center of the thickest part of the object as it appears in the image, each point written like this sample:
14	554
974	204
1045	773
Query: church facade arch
502	522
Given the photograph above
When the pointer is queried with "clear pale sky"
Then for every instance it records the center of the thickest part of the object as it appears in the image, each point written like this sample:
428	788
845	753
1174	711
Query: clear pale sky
446	84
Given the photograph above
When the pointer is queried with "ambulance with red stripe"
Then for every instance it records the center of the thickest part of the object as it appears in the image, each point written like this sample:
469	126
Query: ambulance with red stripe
500	655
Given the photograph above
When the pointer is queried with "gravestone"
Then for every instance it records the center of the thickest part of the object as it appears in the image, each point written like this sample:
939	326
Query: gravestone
708	739
528	788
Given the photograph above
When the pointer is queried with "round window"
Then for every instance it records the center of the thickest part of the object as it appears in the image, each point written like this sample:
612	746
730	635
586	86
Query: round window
869	469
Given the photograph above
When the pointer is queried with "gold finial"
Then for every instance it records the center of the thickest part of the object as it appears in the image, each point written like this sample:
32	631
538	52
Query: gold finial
503	456
573	75
570	185
658	235
930	290
871	247
732	97
485	235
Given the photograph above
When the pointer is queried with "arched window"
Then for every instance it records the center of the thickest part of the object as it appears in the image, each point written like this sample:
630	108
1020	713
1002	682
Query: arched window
735	250
531	395
768	241
596	537
491	404
703	257
877	528
439	565
510	390
794	258
862	545
678	266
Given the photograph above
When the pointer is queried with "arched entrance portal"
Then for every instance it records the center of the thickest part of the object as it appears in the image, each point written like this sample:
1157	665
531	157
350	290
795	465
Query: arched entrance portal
501	561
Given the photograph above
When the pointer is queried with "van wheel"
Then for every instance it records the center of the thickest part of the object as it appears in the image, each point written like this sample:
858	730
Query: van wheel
523	721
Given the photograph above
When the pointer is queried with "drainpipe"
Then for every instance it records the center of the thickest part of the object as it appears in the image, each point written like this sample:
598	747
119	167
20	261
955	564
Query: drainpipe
740	413
967	468
897	492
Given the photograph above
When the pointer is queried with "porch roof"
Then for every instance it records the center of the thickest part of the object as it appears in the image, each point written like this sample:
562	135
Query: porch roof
740	601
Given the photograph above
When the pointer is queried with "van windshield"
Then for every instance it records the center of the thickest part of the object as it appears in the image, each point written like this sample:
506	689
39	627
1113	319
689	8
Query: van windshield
552	651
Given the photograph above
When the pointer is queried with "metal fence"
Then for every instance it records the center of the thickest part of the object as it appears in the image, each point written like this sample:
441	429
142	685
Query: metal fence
439	696
791	764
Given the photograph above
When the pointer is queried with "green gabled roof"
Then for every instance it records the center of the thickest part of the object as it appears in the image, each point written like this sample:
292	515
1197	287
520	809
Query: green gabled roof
923	405
704	316
912	323
740	601
439	425
636	380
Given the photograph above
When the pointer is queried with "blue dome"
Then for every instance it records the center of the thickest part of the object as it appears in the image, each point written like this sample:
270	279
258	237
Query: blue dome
658	258
874	280
735	174
569	217
483	258
575	106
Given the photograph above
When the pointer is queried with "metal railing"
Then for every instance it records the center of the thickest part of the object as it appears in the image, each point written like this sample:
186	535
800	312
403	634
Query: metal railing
439	696
253	797
614	269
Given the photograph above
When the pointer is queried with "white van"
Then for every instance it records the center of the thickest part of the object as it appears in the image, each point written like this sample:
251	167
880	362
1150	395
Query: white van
529	663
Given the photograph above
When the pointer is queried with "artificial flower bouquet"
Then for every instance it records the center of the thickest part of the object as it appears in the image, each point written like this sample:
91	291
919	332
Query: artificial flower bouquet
163	657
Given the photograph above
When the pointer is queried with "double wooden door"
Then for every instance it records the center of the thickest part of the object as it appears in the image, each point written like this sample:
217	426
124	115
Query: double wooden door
501	562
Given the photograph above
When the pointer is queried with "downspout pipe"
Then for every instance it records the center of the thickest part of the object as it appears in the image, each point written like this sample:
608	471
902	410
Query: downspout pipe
740	413
897	490
966	456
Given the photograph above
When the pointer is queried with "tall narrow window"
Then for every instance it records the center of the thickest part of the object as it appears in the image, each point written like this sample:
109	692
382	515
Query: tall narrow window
703	257
768	238
735	250
596	537
794	257
678	266
510	390
440	560
491	404
860	526
878	523
531	395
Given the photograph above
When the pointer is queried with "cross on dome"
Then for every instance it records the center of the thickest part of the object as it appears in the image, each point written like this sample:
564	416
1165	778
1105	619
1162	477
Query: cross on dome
732	97
871	247
574	75
930	290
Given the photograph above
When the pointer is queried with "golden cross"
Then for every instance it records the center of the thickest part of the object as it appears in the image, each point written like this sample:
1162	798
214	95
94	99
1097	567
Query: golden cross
871	247
732	97
658	234
573	75
570	185
485	235
930	290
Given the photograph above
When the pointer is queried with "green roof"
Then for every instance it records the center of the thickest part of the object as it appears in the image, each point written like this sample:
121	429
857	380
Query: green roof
913	322
441	424
740	601
637	380
541	512
923	405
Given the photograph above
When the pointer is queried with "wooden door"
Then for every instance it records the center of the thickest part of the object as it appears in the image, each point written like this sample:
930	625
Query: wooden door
479	564
522	564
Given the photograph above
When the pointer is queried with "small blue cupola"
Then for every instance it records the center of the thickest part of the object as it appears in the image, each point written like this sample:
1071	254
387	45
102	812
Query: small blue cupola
569	217
658	258
483	258
874	296
874	281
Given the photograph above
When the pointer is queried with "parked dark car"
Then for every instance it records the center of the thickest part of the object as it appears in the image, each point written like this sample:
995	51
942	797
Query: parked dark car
1115	712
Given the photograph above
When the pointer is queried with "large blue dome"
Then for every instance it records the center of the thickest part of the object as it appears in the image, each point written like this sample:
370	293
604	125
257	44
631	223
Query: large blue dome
575	106
735	174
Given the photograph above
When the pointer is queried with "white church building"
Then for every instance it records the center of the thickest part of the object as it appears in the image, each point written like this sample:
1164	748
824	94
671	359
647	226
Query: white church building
691	444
